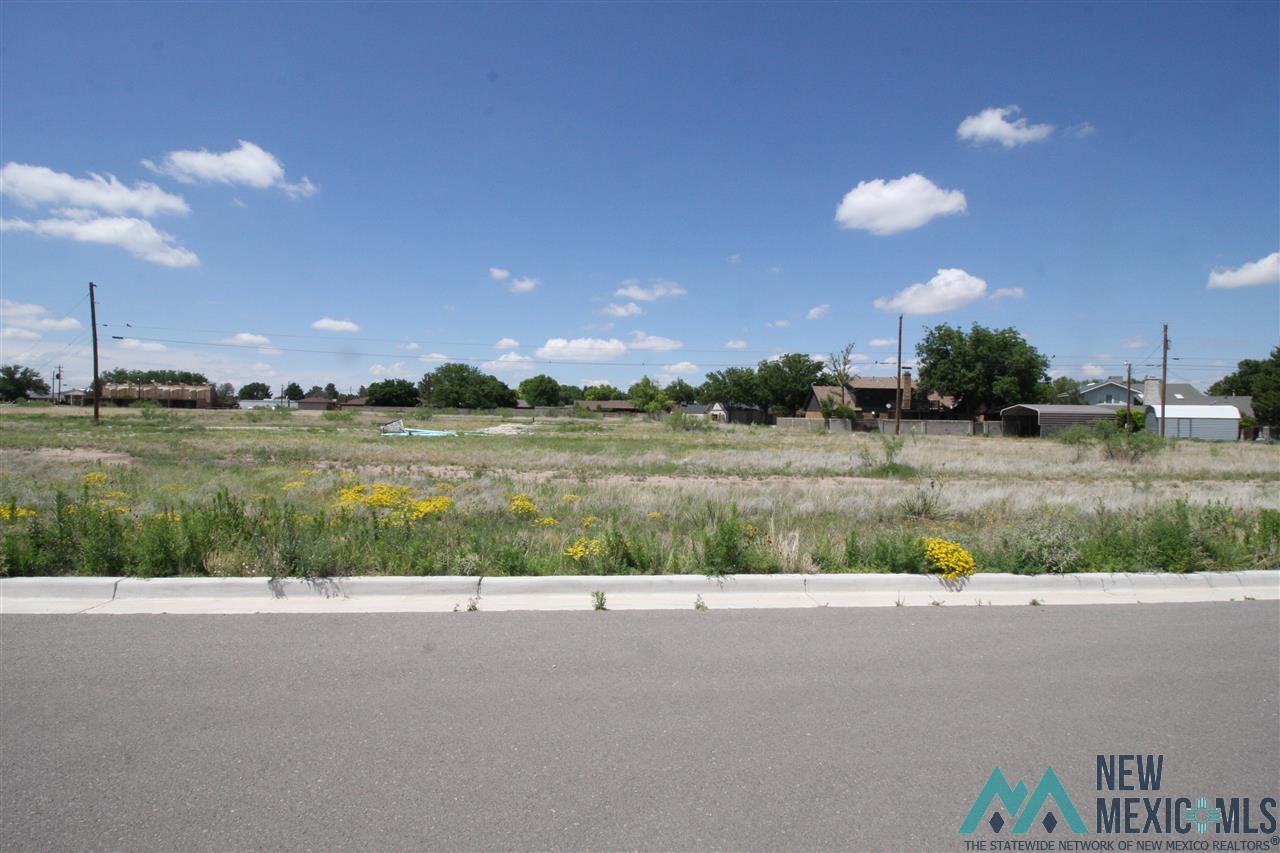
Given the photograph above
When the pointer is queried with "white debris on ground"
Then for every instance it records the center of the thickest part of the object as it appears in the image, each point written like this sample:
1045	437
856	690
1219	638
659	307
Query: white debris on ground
504	429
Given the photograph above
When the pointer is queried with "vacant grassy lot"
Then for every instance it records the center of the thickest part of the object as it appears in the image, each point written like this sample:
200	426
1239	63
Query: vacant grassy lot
251	493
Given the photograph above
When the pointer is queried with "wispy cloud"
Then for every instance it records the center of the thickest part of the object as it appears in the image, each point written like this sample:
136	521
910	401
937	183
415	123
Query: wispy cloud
523	285
1002	125
1137	342
136	236
817	312
141	346
632	289
34	317
1262	271
779	324
411	345
946	291
499	274
883	342
641	341
1008	293
735	344
629	309
433	356
734	259
1080	131
248	165
328	324
889	207
33	186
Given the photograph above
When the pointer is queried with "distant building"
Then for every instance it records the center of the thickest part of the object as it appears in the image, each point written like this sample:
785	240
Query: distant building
274	403
354	403
1213	422
317	404
871	395
1112	391
1044	419
609	407
173	396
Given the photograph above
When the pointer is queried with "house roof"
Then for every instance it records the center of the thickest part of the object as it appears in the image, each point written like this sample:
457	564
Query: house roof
1119	383
1059	409
316	400
831	392
694	408
1243	402
1210	412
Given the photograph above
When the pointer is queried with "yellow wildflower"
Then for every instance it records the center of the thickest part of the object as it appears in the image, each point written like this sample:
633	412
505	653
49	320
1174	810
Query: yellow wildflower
655	515
546	521
950	559
584	548
430	506
292	484
94	479
168	516
13	512
571	499
589	521
523	505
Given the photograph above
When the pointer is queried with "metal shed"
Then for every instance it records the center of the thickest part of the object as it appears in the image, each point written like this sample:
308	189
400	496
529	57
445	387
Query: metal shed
1211	423
1031	419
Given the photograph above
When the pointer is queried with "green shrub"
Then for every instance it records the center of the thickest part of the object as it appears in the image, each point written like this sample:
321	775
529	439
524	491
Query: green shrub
680	422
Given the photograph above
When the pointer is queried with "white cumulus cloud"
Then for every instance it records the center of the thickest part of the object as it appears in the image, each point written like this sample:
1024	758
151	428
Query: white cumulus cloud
888	207
681	368
883	342
639	340
735	344
946	291
581	349
499	274
523	285
34	317
506	343
629	309
1262	271
249	165
817	312
38	185
433	356
509	362
1002	125
328	324
383	370
13	333
141	346
632	289
247	339
136	236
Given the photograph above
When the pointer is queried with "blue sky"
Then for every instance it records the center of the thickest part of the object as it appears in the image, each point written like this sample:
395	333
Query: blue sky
623	189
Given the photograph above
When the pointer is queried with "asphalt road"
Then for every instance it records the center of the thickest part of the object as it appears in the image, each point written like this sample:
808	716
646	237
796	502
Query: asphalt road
847	729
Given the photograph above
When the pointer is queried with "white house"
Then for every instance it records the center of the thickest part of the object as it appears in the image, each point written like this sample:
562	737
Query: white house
1211	423
1111	392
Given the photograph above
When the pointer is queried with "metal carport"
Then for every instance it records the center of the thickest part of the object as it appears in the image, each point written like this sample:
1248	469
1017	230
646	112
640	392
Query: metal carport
1040	419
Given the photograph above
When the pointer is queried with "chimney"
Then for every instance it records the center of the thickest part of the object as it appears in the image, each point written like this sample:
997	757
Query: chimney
1150	391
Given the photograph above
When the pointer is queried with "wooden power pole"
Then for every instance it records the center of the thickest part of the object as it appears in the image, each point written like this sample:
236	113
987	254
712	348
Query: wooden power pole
897	368
1164	372
1128	397
93	322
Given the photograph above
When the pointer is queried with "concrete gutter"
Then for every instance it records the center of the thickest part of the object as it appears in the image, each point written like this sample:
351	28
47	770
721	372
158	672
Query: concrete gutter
628	592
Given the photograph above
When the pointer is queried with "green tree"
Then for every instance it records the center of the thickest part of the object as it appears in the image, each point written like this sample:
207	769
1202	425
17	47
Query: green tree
983	369
604	392
314	391
570	394
293	391
255	391
1259	379
18	382
392	392
733	386
331	391
161	377
646	396
680	391
540	390
1062	389
841	366
225	394
461	386
785	382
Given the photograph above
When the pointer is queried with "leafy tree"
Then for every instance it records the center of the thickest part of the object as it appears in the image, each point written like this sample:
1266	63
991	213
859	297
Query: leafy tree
160	377
1063	389
841	367
461	386
392	392
731	386
362	391
540	390
680	391
18	382
331	391
1257	378
293	391
315	391
570	394
225	394
785	382
255	391
983	369
604	392
646	396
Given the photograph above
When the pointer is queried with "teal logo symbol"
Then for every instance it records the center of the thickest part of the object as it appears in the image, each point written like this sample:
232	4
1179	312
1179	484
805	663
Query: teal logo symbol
1201	816
1022	808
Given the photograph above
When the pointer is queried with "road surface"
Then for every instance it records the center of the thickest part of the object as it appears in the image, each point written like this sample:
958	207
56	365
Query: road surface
846	729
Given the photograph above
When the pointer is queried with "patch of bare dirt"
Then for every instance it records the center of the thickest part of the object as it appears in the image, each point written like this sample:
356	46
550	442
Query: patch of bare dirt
73	454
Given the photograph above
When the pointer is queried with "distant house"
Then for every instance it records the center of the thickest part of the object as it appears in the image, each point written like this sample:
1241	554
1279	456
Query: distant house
173	396
1186	394
1112	392
872	395
609	407
1213	422
354	403
317	404
735	413
523	404
274	403
1044	419
693	410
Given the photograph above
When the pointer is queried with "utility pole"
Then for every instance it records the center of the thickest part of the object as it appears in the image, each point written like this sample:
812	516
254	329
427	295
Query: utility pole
1128	397
57	386
93	321
897	368
1164	371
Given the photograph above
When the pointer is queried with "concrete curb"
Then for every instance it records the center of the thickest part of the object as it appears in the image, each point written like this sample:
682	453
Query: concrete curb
625	592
